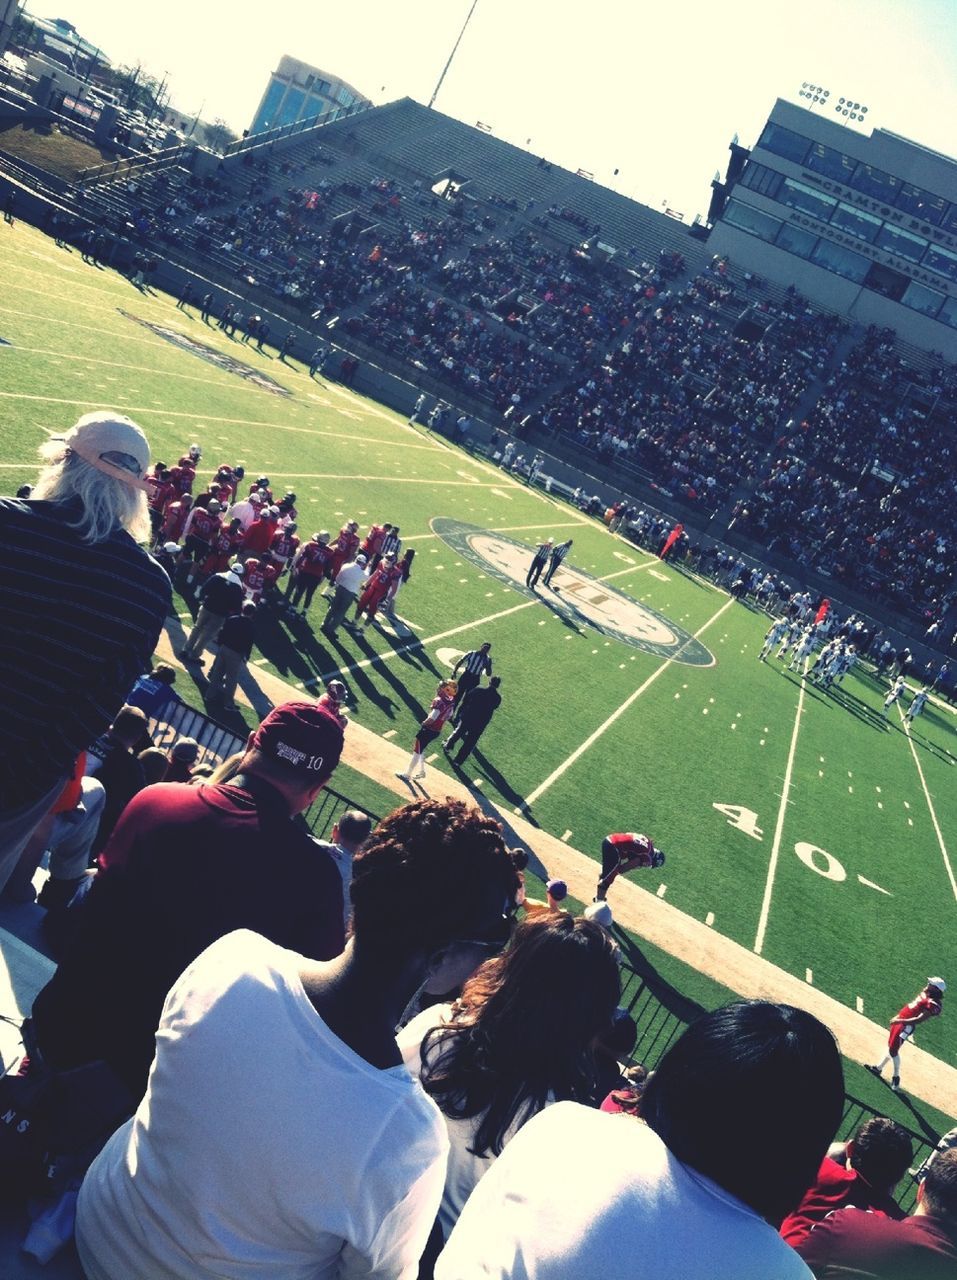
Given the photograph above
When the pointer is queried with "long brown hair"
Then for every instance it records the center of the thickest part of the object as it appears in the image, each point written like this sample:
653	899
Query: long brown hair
522	1031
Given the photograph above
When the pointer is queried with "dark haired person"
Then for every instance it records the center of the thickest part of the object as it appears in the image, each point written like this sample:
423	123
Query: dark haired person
684	1196
281	1135
185	865
921	1247
862	1173
474	716
499	1054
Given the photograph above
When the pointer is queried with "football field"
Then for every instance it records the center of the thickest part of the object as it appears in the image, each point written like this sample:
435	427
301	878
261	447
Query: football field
797	822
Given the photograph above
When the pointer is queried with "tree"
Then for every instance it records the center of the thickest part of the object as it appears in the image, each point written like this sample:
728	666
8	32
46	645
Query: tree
217	136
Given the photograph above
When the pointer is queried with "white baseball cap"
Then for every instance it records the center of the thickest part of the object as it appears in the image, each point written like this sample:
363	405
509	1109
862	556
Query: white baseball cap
112	443
237	569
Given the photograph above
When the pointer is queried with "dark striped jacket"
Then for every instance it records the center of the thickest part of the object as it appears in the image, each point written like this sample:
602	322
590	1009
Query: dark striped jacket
78	625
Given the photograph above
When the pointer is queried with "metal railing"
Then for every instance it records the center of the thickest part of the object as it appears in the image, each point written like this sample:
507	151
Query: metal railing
268	136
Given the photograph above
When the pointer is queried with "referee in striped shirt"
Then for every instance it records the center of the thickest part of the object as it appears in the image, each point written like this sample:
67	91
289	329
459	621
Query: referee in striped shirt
476	663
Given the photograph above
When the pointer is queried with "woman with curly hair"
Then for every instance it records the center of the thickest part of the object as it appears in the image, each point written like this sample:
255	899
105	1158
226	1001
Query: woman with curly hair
281	1135
520	1037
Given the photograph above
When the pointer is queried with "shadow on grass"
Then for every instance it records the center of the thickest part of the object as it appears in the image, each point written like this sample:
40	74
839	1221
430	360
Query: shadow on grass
677	1004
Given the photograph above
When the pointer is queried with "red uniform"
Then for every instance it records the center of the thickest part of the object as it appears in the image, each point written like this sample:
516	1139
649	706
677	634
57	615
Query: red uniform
377	588
258	537
283	547
203	525
267	493
633	850
372	544
270	575
343	550
439	715
924	1007
313	559
224	547
254	582
183	476
161	492
175	517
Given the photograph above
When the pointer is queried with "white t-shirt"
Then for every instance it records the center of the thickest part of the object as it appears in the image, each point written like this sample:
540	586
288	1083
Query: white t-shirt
464	1169
580	1194
265	1148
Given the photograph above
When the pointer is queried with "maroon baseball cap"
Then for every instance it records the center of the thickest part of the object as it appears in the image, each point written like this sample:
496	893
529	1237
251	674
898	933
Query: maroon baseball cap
305	738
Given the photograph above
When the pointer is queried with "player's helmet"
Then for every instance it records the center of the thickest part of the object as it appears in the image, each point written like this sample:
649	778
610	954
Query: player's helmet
263	482
214	505
195	452
336	689
251	563
239	471
291	527
353	525
171	548
657	858
289	496
322	537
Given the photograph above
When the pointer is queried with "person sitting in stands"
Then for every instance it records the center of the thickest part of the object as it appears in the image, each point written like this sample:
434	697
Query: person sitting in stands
185	866
684	1196
498	1055
921	1247
863	1172
281	1136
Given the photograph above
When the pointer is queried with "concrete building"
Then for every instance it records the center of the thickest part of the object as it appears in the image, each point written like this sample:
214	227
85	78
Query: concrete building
297	91
862	224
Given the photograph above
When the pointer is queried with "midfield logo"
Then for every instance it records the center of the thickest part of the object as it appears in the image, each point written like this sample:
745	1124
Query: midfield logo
581	599
219	358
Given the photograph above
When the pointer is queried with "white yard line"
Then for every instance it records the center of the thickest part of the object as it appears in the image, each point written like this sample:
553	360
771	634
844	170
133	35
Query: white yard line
615	715
779	825
507	528
454	631
930	803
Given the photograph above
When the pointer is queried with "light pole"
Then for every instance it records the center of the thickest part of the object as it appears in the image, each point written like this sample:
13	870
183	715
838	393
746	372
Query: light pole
435	91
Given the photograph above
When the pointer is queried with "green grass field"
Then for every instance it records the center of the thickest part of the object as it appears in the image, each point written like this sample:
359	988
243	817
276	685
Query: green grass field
842	869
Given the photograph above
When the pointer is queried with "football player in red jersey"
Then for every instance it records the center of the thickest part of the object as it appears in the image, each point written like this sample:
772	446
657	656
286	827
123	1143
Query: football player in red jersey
161	491
254	580
443	704
174	518
344	548
284	545
928	1003
307	572
201	528
625	852
225	545
376	589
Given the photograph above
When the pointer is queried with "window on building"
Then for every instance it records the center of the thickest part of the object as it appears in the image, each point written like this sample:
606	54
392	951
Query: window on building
948	312
792	146
855	221
922	204
884	280
807	199
833	164
345	98
949	221
266	116
291	107
796	240
919	298
876	183
941	260
905	243
759	178
843	262
755	221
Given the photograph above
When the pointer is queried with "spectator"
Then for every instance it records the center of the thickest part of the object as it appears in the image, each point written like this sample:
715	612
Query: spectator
183	755
153	693
155	765
82	610
684	1195
613	1046
349	1155
119	771
185	866
348	837
921	1247
863	1173
498	1055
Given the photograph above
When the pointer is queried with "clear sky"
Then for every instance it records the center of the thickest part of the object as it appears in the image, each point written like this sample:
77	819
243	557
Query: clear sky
655	90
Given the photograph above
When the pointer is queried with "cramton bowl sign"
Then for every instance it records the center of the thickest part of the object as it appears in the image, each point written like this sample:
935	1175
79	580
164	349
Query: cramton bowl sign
581	599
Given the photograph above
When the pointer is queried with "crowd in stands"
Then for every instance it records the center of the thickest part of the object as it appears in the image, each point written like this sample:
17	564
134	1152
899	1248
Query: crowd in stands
235	1019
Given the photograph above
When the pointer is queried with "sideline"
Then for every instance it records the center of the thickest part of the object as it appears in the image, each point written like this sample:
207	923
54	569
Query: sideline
779	825
930	804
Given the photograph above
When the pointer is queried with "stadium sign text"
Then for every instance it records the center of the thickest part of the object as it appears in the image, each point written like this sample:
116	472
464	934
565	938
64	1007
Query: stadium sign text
580	600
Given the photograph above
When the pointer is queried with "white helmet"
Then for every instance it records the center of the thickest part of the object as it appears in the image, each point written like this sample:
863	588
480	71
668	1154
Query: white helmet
195	451
939	983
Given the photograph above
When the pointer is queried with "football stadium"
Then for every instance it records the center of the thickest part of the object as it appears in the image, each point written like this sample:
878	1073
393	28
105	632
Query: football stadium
395	520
